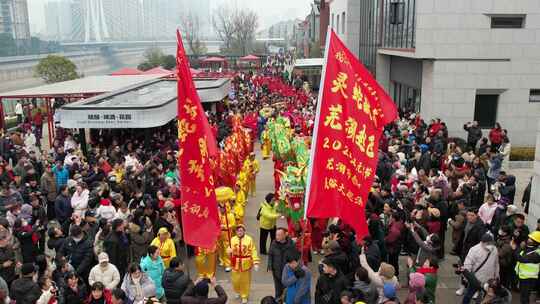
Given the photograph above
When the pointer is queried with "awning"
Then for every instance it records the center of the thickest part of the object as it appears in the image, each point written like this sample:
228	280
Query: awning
249	58
158	70
214	59
145	105
126	71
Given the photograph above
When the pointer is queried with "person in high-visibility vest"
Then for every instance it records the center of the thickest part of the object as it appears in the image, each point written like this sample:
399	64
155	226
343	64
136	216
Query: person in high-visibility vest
528	266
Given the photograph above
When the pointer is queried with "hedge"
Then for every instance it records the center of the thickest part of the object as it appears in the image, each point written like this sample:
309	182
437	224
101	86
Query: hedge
522	154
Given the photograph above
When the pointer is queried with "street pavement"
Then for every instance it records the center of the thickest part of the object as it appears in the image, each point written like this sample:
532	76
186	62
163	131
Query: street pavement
262	283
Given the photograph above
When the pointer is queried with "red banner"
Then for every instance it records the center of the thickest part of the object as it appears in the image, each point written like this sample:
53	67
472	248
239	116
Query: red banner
196	148
351	115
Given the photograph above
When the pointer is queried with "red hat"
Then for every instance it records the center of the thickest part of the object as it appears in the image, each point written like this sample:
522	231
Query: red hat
105	202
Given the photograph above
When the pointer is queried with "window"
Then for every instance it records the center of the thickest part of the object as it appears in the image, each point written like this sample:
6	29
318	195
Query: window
332	22
397	12
534	95
337	24
507	21
343	23
485	110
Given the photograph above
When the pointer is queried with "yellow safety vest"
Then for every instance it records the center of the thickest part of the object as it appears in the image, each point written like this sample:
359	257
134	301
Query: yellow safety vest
528	270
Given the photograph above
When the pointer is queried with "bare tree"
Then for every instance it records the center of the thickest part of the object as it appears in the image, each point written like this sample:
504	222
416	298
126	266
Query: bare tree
245	24
191	25
223	23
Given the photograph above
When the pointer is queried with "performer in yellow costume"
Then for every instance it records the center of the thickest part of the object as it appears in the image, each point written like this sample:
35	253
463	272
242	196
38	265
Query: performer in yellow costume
252	167
205	262
266	145
226	218
244	258
241	197
163	241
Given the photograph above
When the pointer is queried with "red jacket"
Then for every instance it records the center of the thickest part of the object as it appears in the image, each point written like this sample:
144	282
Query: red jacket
434	129
394	234
495	136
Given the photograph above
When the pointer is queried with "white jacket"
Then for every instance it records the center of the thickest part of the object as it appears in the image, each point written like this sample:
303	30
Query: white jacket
45	297
79	203
109	276
106	212
477	254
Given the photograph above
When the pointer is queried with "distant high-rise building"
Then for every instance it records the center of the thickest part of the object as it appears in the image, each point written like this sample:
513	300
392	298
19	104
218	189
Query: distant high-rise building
58	19
14	19
89	23
124	19
160	18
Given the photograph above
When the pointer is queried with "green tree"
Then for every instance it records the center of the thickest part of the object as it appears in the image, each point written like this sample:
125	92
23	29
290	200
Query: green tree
54	68
168	62
145	66
154	56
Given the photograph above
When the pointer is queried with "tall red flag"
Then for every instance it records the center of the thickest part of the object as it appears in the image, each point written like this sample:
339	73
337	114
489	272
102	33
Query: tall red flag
351	114
196	147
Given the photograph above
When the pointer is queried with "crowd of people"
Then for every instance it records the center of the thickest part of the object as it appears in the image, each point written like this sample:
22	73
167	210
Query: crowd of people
105	227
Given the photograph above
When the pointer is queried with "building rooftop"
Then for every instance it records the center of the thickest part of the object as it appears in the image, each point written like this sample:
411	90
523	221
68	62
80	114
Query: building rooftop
144	105
90	85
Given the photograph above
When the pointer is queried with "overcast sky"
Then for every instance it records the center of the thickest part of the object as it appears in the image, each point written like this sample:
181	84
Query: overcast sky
270	12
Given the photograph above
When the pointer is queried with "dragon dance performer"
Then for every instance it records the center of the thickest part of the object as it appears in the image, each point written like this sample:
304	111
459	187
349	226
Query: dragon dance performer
205	262
228	222
244	258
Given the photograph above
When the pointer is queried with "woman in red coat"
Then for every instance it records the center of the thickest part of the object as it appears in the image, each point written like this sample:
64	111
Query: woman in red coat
496	136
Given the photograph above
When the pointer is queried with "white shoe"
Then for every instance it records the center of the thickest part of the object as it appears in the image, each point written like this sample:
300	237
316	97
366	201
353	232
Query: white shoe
460	291
475	296
227	269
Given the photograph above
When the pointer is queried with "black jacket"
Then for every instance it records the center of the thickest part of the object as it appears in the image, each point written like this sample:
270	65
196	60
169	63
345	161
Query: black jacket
7	273
118	249
473	237
69	296
341	260
175	284
62	208
329	288
277	254
79	254
25	291
190	298
474	134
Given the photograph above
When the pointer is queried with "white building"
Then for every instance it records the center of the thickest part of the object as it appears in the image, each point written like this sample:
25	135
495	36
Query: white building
345	21
464	60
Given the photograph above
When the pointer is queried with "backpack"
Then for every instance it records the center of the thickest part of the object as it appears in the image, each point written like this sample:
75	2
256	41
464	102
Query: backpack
259	214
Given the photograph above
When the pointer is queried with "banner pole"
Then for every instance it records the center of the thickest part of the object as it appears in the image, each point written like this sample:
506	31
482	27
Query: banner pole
317	118
186	263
